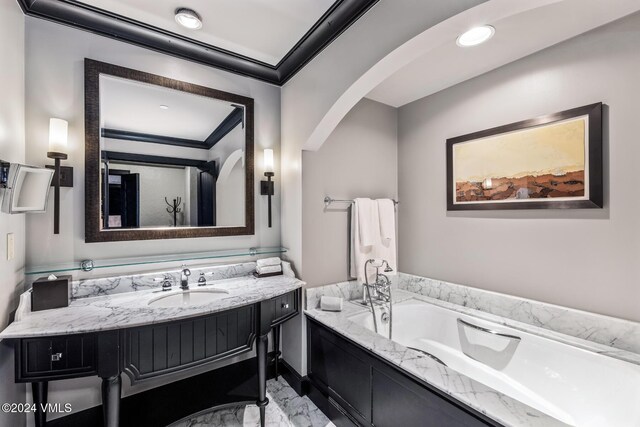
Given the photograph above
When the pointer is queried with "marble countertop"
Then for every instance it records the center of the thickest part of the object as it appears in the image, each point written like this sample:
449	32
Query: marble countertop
125	310
497	406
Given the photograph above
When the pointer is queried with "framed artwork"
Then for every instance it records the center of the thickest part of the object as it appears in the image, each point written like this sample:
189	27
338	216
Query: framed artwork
550	162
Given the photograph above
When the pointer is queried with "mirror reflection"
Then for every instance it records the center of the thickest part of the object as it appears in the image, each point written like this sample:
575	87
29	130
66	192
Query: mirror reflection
169	158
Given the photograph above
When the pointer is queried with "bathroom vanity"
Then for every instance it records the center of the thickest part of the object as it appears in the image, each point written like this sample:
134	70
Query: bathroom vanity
145	334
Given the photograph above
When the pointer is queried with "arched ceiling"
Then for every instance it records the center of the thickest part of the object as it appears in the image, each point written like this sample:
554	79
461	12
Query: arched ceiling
432	61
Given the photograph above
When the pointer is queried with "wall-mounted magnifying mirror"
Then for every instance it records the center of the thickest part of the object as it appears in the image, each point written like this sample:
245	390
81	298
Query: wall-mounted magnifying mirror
165	159
26	188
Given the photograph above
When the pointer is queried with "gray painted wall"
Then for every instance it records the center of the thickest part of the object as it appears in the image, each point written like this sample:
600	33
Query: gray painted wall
11	149
586	259
311	93
358	160
54	78
55	88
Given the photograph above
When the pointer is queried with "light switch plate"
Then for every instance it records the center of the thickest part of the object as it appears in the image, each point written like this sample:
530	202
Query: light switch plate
11	246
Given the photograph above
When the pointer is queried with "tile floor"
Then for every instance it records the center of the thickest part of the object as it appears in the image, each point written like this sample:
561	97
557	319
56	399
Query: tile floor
285	408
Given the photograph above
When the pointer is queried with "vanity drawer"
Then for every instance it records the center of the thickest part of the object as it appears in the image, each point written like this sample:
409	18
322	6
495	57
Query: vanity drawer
55	357
284	307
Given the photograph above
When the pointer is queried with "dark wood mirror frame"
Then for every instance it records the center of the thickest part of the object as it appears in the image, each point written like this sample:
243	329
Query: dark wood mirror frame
93	230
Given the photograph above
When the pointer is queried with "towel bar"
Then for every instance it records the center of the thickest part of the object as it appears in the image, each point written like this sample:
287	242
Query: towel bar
328	200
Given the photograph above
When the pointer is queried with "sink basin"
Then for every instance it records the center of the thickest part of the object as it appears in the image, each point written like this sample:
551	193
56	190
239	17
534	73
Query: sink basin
189	298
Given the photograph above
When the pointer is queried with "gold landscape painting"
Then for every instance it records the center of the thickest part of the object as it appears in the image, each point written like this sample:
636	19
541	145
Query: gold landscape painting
545	162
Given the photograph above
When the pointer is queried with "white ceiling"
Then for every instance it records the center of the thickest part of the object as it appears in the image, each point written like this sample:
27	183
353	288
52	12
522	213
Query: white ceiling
516	36
264	30
135	107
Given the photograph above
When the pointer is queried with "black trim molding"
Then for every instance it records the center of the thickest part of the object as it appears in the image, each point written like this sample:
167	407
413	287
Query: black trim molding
337	19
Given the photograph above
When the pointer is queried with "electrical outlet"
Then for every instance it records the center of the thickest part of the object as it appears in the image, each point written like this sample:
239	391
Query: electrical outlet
10	246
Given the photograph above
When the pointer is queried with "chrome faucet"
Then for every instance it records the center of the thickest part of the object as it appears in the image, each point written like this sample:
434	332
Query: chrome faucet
184	278
380	291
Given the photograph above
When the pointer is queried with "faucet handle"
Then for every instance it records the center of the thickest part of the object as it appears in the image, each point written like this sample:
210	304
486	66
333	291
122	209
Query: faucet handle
185	270
202	281
167	284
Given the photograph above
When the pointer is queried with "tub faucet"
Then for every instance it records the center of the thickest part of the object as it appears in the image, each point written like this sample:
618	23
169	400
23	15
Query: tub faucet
379	290
383	287
184	278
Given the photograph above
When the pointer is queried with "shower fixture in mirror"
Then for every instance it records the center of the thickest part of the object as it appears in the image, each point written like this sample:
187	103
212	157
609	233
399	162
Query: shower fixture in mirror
164	158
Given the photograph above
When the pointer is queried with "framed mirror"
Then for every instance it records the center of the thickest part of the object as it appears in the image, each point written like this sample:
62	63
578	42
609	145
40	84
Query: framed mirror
165	159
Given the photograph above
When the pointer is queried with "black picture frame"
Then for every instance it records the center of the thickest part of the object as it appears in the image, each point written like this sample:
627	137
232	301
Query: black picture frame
595	129
94	232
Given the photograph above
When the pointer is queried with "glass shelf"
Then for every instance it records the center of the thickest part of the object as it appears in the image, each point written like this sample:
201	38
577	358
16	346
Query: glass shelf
155	259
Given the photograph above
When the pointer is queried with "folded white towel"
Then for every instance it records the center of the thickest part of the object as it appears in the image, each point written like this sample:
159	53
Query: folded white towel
330	303
387	214
269	269
368	219
365	233
268	262
373	235
388	241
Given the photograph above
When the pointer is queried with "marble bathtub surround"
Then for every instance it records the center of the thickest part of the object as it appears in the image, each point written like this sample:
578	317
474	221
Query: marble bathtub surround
609	331
500	407
490	402
285	409
121	310
349	291
351	288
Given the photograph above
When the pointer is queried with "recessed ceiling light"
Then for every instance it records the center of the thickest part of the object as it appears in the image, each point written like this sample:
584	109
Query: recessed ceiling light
476	36
164	107
188	18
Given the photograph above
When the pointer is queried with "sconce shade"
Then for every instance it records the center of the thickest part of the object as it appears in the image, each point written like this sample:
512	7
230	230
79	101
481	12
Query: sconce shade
268	160
58	130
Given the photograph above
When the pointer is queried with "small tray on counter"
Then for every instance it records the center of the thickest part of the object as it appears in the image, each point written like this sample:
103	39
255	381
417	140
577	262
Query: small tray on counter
260	276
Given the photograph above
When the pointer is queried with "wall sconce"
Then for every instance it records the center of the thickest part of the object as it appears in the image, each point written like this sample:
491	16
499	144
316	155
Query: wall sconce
63	176
266	187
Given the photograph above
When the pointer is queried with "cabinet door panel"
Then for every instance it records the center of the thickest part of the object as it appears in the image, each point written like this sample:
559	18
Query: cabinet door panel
158	349
346	375
284	307
55	357
400	402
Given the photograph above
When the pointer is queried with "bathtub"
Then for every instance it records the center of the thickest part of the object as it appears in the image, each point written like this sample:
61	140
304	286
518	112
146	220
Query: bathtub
575	386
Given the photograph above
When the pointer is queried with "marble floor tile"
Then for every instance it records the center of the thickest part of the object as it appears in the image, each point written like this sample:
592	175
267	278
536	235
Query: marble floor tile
285	408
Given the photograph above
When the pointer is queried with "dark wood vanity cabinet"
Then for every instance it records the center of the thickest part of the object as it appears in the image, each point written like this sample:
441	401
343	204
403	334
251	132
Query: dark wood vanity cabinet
150	351
360	388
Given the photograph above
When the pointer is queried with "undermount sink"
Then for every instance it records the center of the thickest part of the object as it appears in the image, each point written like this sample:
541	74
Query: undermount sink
192	297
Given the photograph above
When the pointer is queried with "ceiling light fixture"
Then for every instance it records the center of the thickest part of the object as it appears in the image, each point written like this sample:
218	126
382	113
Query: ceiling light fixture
188	18
476	36
164	107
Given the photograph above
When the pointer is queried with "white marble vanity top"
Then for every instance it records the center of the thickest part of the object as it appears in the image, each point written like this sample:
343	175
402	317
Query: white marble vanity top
129	309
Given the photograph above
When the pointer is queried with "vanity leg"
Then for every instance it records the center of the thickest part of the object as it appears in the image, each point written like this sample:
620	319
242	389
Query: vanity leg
39	391
262	353
111	387
276	347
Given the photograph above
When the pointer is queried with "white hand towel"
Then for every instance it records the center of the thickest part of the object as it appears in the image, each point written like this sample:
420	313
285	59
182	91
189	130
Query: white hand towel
387	249
368	219
269	269
330	303
387	214
365	236
268	262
